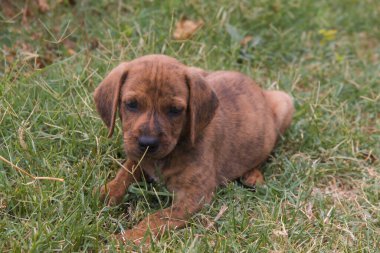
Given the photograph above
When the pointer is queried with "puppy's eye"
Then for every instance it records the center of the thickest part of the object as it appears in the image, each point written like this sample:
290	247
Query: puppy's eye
132	105
175	111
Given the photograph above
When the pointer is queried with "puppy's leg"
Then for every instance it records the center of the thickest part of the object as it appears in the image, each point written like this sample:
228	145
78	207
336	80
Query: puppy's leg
282	107
253	177
173	217
115	189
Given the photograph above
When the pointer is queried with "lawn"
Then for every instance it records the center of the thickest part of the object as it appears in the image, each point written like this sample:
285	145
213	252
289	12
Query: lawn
322	191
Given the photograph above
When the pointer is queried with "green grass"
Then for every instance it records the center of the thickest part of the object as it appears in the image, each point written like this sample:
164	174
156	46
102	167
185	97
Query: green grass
322	191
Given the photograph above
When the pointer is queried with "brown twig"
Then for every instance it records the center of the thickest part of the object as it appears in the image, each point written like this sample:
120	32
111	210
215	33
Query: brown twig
222	210
28	174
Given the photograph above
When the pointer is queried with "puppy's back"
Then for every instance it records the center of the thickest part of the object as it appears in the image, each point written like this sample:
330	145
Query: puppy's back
243	130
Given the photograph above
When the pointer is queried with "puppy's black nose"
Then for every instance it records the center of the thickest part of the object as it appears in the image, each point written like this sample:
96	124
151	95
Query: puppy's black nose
148	141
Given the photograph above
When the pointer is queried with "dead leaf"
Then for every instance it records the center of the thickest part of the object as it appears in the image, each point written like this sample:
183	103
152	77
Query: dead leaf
185	28
8	9
43	6
246	40
71	51
70	46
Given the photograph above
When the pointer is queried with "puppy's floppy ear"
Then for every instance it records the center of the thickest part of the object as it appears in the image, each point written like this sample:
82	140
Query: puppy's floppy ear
203	103
107	95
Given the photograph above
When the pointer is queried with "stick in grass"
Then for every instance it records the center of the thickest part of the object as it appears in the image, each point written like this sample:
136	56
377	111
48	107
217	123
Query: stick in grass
223	209
28	174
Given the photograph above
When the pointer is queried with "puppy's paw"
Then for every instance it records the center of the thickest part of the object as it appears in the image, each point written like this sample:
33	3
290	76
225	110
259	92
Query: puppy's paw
131	239
113	193
253	177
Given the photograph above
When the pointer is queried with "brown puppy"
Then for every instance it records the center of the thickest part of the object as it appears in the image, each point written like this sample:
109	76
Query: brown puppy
198	130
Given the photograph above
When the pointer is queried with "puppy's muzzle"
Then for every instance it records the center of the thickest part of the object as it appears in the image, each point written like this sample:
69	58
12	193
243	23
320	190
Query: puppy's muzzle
149	142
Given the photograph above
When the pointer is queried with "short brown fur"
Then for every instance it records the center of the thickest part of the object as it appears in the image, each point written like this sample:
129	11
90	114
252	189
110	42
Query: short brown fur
211	128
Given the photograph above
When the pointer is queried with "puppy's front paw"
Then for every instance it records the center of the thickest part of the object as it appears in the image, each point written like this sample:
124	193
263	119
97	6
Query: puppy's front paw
113	192
132	237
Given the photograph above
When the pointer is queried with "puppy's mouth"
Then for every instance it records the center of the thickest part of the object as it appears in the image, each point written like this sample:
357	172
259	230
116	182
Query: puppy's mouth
146	146
150	153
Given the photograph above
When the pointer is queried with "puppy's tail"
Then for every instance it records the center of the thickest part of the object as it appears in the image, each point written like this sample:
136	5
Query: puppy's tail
282	108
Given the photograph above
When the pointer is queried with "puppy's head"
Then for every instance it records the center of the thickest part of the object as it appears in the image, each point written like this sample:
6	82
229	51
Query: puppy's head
161	102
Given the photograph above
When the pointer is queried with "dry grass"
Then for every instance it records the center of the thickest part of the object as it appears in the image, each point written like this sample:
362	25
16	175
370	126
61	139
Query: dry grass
322	188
